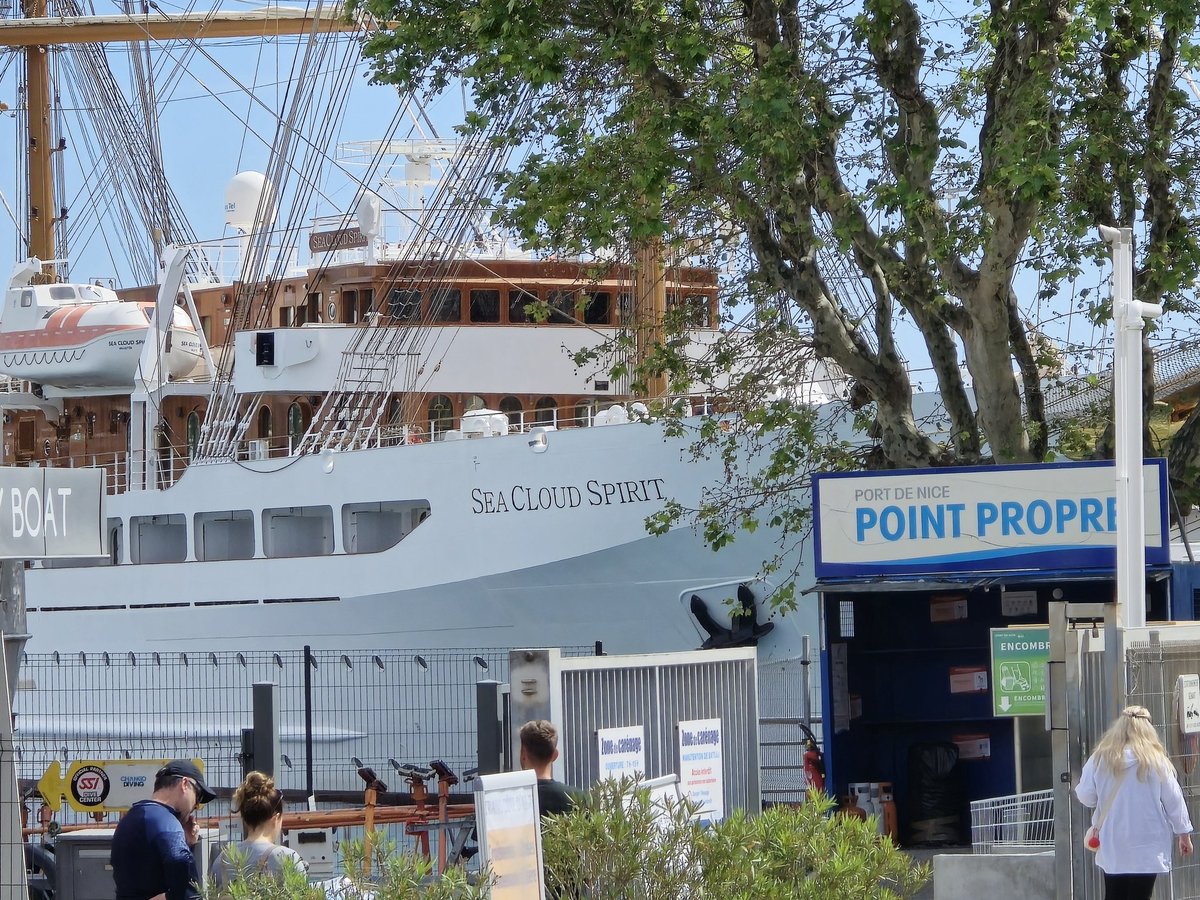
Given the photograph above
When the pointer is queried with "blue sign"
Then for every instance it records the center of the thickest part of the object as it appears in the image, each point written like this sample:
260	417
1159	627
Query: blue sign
1047	517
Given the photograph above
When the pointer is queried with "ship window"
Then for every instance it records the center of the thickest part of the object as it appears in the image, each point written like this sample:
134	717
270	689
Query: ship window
518	299
193	434
158	539
26	437
373	527
546	411
404	306
562	306
695	309
625	303
441	415
297	531
228	534
63	292
264	422
26	298
485	306
583	414
473	403
445	305
206	328
295	425
512	408
596	308
116	538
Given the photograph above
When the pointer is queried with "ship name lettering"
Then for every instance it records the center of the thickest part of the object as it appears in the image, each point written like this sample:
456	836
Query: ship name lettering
522	498
605	493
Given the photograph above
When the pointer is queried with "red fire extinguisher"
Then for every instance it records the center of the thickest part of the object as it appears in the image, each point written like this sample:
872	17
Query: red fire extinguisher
814	763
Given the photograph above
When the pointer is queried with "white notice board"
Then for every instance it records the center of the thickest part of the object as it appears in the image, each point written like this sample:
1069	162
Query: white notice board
1187	690
510	838
622	751
701	769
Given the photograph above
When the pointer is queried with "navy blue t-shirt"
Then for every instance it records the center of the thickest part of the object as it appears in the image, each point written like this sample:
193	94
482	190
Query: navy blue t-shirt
150	855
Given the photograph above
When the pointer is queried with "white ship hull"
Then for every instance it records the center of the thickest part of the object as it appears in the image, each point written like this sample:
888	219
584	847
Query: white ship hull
489	567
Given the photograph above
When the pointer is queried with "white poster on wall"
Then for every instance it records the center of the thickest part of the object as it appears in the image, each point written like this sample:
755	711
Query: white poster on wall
622	752
701	772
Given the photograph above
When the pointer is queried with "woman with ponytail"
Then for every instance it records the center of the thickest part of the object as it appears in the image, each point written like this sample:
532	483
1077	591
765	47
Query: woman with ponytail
260	853
1130	784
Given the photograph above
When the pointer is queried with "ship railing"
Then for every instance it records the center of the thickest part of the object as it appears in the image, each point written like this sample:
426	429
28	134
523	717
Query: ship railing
163	468
10	385
115	466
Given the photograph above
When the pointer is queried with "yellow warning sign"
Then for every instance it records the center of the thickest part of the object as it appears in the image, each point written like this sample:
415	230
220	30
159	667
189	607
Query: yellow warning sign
101	785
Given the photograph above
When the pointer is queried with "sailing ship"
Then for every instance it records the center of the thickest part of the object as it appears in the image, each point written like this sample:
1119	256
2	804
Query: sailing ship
391	444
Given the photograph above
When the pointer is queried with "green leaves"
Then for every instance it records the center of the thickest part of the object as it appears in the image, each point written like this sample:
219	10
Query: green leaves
622	846
889	185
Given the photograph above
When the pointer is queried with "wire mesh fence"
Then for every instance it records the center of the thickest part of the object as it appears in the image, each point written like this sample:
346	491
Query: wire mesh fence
1153	669
360	707
1019	823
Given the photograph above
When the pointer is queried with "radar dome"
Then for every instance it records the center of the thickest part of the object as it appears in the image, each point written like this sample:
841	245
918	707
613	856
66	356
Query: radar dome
243	195
368	212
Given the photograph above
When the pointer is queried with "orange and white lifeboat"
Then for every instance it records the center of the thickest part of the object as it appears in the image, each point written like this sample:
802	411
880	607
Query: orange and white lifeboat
83	335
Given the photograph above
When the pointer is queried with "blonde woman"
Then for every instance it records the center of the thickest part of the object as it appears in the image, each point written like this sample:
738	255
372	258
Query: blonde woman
1130	785
261	806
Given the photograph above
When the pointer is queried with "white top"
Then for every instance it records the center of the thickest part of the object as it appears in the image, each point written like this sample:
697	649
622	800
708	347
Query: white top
1143	816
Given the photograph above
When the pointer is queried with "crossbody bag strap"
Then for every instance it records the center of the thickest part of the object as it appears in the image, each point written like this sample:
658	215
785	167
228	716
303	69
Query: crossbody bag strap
1109	801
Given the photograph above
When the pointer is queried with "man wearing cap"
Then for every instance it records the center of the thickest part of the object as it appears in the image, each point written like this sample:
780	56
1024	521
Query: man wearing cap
152	846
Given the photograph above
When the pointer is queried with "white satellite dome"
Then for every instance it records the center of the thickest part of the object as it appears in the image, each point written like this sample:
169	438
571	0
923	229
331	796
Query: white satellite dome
368	212
243	194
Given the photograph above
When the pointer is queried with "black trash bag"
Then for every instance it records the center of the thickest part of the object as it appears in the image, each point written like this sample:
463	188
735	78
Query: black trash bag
935	794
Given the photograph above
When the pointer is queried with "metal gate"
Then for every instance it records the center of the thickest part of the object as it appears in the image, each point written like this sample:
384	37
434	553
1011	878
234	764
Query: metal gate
657	691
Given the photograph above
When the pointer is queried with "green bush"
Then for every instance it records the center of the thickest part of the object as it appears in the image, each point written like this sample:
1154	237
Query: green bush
620	845
394	876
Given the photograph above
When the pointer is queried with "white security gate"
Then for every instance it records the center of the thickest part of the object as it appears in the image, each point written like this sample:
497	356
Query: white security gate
582	695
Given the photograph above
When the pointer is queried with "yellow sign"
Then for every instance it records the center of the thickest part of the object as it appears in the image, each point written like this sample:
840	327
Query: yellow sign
101	785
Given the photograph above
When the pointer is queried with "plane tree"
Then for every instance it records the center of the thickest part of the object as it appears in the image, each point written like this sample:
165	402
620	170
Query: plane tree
883	182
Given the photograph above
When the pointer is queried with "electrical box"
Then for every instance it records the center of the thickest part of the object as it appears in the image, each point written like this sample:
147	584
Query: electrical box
318	848
83	869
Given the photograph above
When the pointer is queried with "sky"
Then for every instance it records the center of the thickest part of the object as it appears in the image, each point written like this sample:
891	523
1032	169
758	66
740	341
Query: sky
203	105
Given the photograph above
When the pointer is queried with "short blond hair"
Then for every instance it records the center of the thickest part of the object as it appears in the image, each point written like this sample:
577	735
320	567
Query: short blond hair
539	740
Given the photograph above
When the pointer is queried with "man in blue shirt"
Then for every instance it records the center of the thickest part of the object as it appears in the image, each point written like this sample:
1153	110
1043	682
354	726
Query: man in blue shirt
152	846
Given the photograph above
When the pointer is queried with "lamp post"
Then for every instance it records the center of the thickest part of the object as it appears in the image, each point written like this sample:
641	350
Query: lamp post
1129	317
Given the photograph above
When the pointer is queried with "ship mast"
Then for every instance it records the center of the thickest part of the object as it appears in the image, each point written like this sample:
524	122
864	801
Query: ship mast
650	298
37	33
41	184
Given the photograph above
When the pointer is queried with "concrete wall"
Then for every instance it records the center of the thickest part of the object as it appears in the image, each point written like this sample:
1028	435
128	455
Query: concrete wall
964	876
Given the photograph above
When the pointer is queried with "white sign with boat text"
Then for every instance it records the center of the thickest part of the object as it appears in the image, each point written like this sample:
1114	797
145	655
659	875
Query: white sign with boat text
48	512
701	770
